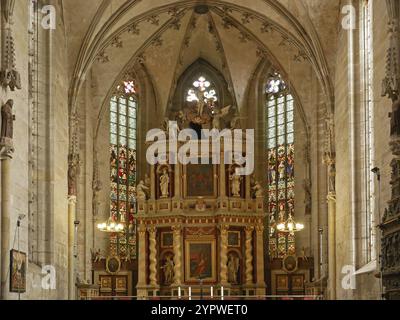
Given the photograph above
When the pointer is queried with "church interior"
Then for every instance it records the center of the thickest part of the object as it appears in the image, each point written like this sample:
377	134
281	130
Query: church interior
309	89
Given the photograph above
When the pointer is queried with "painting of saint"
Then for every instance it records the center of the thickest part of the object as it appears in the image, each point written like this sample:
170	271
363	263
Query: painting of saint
200	261
18	271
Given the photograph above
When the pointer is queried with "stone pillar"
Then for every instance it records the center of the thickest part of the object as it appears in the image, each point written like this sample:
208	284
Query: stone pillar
222	177
223	257
153	256
332	244
71	242
249	255
260	259
142	255
5	157
177	182
141	292
73	163
154	183
177	255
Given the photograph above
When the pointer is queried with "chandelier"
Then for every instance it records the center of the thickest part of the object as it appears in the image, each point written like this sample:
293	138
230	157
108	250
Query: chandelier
111	226
290	226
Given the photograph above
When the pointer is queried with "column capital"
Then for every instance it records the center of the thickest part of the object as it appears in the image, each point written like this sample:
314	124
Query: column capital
152	229
249	229
223	228
260	228
176	228
142	229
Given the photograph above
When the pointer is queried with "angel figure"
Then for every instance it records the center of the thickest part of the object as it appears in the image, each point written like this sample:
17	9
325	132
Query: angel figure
220	114
258	190
141	190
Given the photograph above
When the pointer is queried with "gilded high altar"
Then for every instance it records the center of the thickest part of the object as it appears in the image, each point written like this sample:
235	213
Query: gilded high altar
200	226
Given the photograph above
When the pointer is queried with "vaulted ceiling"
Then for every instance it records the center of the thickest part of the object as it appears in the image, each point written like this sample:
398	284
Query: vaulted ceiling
107	37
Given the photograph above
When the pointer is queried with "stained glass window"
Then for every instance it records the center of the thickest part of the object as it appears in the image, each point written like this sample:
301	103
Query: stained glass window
203	90
123	120
280	155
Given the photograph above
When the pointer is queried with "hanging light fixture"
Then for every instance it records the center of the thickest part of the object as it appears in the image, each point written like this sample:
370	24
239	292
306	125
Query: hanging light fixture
111	226
290	226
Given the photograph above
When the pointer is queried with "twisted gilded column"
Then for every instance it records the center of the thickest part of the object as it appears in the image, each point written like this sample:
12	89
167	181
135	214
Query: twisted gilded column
249	254
223	254
152	256
177	255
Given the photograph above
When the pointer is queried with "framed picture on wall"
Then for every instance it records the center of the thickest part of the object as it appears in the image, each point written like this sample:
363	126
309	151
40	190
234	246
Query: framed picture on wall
17	271
234	239
200	180
167	240
200	262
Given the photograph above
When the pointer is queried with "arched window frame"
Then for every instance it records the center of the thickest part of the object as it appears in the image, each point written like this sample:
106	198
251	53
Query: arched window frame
123	147
279	107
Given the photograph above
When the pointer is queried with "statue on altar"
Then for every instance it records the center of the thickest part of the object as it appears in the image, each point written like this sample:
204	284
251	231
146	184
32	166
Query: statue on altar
236	181
168	269
233	268
164	184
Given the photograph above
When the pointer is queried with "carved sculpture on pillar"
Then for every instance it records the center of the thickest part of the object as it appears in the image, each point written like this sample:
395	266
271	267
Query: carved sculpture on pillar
7	124
9	76
330	154
73	163
249	254
96	186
